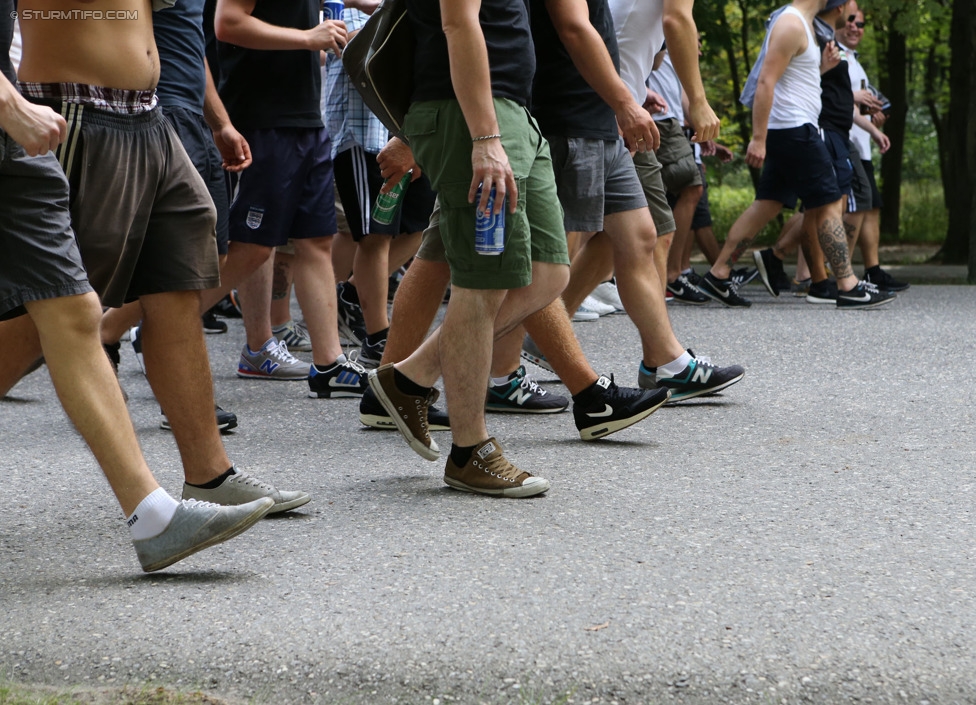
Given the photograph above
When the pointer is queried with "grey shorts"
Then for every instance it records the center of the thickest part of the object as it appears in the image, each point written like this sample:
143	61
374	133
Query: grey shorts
594	178
649	173
40	258
143	218
863	188
678	167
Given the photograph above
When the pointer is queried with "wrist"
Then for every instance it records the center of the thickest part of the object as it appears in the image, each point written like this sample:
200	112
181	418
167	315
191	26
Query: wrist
486	137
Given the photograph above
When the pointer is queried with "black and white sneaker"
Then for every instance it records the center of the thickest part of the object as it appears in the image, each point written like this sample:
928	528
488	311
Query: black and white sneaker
211	325
724	291
699	378
883	280
683	291
864	295
352	326
370	354
372	414
743	276
520	395
824	292
770	268
226	420
605	408
135	337
346	378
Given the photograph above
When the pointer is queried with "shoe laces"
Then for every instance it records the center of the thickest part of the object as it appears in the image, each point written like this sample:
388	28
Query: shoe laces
869	286
532	386
191	503
242	478
499	467
352	363
280	352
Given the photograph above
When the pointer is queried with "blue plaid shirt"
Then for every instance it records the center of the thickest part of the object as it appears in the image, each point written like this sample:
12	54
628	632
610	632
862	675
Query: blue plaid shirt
349	121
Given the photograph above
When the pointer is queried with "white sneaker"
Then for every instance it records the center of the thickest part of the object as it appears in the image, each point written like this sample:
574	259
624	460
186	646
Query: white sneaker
606	293
601	308
585	314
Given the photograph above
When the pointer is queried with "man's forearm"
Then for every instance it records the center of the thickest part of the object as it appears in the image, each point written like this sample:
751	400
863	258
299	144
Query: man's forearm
470	73
214	111
681	36
235	26
761	107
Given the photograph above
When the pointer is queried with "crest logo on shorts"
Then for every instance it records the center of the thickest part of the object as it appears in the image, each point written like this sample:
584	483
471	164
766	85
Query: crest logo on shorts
254	218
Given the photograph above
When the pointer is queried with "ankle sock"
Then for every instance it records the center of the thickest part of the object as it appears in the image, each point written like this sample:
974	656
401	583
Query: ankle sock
460	455
594	390
499	381
407	385
676	366
374	339
152	515
217	481
283	326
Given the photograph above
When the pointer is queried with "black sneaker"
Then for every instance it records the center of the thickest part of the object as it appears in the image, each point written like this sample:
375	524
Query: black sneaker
135	337
351	323
800	288
684	291
742	276
864	295
113	351
770	269
370	354
824	292
699	378
210	323
342	380
226	420
884	281
610	408
520	395
372	414
723	290
229	306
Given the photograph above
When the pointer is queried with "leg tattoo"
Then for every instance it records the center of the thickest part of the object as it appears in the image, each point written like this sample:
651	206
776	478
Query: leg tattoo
833	242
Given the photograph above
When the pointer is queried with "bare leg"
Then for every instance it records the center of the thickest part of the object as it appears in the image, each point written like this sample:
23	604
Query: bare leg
316	292
662	250
179	373
789	238
372	270
343	254
742	233
552	331
90	394
684	212
281	280
870	238
833	242
415	306
255	297
812	254
117	321
402	249
592	264
242	260
21	349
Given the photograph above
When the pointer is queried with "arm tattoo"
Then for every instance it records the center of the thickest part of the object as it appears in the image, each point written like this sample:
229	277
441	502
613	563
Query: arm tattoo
833	242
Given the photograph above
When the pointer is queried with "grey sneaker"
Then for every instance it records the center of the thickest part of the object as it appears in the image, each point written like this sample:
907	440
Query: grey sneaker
531	353
294	334
241	488
196	526
272	361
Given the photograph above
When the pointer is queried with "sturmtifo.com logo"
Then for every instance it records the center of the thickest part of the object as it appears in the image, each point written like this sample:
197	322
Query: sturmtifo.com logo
28	15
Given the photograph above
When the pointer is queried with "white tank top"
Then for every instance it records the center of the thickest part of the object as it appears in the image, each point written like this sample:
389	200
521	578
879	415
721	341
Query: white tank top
796	98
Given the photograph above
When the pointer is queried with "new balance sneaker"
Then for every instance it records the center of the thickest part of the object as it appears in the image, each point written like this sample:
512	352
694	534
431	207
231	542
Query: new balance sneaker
226	420
372	414
800	287
408	411
824	292
699	378
370	354
684	291
196	526
741	276
724	291
241	488
531	353
585	315
883	280
345	379
211	325
520	395
135	337
606	293
229	306
488	472
294	334
272	361
770	269
608	408
352	326
864	295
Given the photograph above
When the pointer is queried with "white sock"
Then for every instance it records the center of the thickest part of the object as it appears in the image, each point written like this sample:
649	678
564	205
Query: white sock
675	366
499	381
286	324
152	516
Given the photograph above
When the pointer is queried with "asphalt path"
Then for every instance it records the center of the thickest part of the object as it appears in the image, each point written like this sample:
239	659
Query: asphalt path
807	536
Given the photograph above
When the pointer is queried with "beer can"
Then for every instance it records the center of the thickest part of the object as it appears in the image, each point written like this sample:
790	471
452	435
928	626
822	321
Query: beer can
332	9
489	233
387	204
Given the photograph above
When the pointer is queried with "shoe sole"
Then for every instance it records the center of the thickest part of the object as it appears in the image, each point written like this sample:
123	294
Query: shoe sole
704	392
817	300
226	426
593	433
431	452
337	394
689	302
717	297
385	423
763	274
519	492
229	533
288	506
258	375
214	331
496	409
875	304
537	361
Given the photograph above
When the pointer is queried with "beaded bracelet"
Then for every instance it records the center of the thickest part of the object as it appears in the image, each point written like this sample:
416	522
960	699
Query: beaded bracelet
486	137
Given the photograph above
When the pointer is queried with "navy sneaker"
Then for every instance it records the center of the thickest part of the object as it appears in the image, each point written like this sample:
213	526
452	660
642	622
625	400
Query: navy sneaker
864	295
724	291
520	395
684	291
609	408
699	378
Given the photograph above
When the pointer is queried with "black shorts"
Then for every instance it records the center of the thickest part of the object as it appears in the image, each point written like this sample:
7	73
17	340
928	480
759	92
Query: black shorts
838	146
198	142
798	165
358	181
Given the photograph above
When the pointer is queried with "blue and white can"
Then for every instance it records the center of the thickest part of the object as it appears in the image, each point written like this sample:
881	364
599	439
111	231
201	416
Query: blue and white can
332	9
489	233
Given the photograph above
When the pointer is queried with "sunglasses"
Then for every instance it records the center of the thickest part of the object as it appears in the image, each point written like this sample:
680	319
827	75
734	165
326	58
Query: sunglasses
859	25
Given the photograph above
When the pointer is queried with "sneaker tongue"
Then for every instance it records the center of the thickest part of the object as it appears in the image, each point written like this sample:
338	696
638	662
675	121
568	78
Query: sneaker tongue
270	345
604	382
488	448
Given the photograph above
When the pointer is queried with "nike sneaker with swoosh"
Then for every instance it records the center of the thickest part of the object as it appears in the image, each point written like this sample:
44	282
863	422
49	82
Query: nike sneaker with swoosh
604	408
683	291
723	290
864	295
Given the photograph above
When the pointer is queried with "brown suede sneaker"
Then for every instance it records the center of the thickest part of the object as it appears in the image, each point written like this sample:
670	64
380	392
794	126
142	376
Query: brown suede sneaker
409	412
487	472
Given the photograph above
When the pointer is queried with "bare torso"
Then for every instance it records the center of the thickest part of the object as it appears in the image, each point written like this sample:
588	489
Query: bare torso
112	45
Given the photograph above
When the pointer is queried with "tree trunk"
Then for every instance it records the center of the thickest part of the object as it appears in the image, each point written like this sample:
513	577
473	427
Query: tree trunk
960	242
896	89
741	114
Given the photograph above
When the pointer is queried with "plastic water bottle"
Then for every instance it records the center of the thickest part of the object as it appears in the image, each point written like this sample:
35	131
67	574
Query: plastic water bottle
489	233
387	204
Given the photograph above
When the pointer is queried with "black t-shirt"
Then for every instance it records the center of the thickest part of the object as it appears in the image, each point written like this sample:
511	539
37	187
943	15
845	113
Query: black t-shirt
511	58
179	37
836	96
6	36
273	89
563	102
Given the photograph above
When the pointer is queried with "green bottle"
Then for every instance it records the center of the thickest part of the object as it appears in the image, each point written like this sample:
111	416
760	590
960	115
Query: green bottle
387	204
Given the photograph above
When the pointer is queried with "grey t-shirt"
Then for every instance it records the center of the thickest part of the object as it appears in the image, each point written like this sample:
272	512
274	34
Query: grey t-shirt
6	36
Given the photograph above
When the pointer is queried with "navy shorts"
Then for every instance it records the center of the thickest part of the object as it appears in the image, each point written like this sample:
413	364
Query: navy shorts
198	142
798	165
838	146
288	191
358	182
